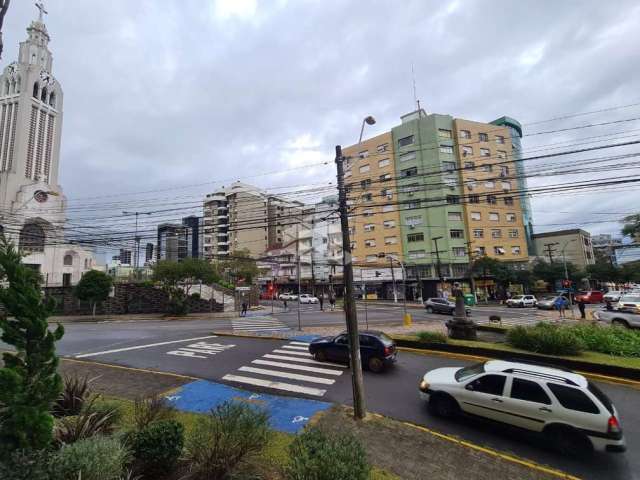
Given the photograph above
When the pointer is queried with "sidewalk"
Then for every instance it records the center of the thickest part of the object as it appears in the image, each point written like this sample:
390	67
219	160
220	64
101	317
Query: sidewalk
142	317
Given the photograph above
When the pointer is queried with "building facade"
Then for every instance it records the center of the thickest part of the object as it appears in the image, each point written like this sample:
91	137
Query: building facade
572	245
176	242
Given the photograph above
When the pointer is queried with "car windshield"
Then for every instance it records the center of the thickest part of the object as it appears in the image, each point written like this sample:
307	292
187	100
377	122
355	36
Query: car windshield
599	394
385	339
549	298
470	371
631	298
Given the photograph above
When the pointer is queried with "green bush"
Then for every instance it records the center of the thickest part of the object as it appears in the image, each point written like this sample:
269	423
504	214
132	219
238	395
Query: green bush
96	458
158	446
152	409
545	338
613	341
315	455
230	435
195	296
75	392
90	422
25	465
431	337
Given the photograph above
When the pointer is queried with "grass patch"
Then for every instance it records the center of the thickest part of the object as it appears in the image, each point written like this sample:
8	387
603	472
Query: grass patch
431	337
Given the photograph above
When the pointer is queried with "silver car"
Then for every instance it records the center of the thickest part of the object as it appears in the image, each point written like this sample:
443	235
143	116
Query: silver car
618	318
547	303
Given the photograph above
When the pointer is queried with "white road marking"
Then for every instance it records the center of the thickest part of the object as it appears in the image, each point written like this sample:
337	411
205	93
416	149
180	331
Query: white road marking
256	329
303	360
289	352
300	343
292	376
294	347
275	385
139	347
303	368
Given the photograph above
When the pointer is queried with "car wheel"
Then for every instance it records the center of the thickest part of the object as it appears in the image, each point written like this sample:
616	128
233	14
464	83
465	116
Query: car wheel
443	405
616	322
375	364
429	309
568	441
320	356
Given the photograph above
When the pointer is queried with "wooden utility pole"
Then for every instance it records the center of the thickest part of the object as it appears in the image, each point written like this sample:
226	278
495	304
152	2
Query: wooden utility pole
550	250
357	381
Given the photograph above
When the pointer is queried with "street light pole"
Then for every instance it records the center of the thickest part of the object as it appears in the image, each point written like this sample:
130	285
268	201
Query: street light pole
393	280
438	266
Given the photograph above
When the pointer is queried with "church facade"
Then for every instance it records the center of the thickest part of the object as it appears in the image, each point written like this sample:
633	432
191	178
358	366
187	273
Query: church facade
32	203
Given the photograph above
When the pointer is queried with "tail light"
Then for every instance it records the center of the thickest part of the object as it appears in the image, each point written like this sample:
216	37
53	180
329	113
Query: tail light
388	351
613	425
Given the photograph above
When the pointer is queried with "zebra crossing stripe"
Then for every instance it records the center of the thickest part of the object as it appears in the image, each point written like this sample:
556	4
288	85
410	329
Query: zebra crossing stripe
289	387
306	344
292	376
293	347
303	360
302	368
289	352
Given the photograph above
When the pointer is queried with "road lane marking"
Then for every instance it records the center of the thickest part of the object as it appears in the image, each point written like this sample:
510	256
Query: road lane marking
261	329
303	360
300	343
289	387
289	352
139	347
303	368
291	376
294	347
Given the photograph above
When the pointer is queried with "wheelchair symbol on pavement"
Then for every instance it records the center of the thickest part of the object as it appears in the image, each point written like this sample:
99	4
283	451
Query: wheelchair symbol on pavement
299	419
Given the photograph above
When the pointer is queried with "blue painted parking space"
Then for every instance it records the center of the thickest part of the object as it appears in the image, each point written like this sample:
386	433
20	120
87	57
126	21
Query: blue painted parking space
287	414
305	338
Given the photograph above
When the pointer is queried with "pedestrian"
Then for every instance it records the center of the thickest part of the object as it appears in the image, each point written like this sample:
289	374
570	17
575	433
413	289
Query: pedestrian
244	309
284	301
560	304
581	306
332	302
321	300
608	305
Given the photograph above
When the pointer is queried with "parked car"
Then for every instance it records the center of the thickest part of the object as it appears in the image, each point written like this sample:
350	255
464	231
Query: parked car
377	350
441	305
522	301
618	318
612	296
287	296
547	302
590	296
564	406
307	298
629	303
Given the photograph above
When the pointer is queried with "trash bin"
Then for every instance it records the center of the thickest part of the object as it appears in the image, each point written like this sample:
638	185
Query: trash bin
469	299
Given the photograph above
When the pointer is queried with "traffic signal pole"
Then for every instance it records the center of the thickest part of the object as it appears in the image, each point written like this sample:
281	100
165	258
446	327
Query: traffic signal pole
357	381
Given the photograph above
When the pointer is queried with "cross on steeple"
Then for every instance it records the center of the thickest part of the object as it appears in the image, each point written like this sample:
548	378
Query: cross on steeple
40	6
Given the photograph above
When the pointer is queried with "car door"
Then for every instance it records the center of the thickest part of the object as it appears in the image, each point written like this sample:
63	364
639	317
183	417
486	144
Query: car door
484	396
368	348
439	305
528	404
338	351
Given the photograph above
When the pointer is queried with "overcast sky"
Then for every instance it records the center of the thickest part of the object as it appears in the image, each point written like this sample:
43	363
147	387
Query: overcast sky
162	93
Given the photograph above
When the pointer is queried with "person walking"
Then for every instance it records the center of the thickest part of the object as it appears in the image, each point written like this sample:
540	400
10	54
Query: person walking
332	302
581	307
284	301
244	309
321	300
560	304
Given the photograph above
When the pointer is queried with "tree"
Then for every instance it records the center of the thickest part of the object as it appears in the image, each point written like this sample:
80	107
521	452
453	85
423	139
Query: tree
4	6
550	272
603	271
240	265
29	382
94	286
631	226
177	278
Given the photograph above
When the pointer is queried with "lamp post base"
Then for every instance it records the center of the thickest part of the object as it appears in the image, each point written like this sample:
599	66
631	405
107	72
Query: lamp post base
462	329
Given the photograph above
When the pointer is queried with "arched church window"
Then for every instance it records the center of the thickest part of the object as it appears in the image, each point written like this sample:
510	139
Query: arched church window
43	96
52	99
32	237
35	90
68	260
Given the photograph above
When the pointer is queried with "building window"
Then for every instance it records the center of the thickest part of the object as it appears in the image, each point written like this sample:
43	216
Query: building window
478	233
499	139
515	250
403	142
442	133
364	184
474	198
387	193
450	181
413	254
405	157
353	245
387	208
448	166
508	200
498	250
465	134
410	189
469	165
415	237
382	148
514	233
363	154
467	151
489	184
385	177
414	220
491	199
390	240
502	154
389	224
476	216
367	197
483	137
487	167
480	251
412	205
32	238
454	216
384	162
409	172
504	171
484	152
494	216
68	260
367	213
446	149
453	199
459	251
364	168
505	185
455	233
496	233
369	227
511	217
370	242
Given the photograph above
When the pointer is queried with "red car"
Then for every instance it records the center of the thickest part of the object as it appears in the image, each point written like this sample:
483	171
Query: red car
591	296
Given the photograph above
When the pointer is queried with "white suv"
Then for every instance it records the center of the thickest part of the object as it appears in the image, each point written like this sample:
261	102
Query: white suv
571	411
522	301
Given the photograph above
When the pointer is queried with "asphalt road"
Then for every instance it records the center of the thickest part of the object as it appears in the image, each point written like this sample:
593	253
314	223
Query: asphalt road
188	348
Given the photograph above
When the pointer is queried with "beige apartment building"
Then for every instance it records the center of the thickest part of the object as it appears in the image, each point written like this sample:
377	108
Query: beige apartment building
493	214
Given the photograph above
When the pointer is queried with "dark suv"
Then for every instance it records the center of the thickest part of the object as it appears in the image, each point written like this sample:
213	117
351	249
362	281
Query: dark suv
441	305
376	349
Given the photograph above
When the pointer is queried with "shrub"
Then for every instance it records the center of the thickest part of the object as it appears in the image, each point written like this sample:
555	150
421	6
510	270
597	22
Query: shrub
75	391
431	337
25	465
90	422
158	446
149	410
614	341
315	455
545	338
195	296
224	439
96	458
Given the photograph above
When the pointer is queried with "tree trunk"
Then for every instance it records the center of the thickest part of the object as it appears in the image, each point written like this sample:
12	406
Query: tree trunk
94	309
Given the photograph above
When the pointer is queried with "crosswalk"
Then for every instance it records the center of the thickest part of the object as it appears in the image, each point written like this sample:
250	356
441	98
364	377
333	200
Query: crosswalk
289	368
258	324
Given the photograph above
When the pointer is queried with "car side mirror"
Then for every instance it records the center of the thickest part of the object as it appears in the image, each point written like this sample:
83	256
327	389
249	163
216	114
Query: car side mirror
469	387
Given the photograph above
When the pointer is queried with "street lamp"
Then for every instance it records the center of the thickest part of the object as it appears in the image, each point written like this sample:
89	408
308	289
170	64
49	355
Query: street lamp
369	120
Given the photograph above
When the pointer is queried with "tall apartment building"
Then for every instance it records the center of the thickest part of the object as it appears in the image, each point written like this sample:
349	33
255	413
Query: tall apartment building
242	216
450	187
179	241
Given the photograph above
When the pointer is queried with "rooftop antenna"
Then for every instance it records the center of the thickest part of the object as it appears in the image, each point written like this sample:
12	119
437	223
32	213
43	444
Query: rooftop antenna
415	94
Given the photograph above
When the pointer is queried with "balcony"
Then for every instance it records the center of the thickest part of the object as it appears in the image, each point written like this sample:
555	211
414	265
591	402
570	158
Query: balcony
223	243
222	234
219	217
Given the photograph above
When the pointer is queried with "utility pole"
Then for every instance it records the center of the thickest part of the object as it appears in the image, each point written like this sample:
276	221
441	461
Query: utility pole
438	264
550	250
472	282
393	280
136	237
349	304
298	272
